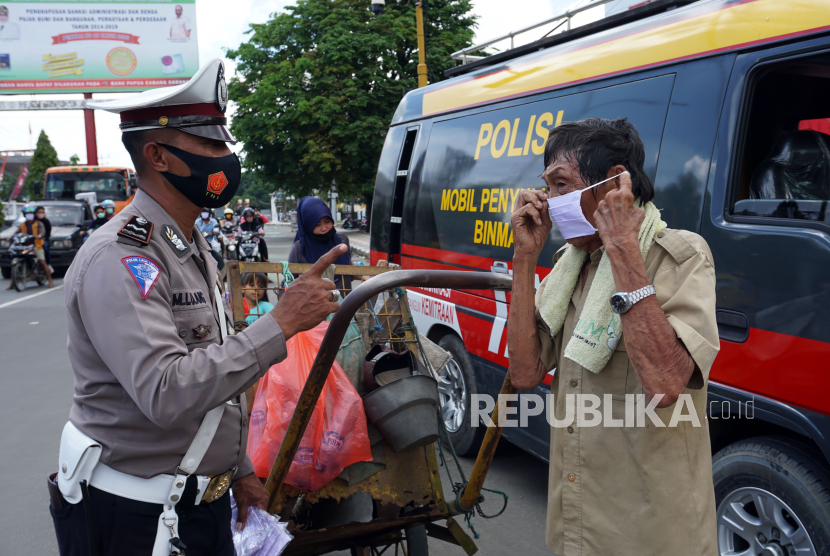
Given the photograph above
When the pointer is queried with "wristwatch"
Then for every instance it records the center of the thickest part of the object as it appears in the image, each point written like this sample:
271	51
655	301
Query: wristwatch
621	302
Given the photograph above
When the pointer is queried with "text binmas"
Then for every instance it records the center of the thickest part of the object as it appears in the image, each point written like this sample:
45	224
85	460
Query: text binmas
488	232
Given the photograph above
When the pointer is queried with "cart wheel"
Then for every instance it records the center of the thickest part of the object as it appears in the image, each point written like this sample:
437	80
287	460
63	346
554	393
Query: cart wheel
455	391
416	540
20	275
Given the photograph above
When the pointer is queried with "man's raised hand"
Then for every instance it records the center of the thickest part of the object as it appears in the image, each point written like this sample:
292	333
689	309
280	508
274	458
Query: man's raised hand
618	219
309	299
531	222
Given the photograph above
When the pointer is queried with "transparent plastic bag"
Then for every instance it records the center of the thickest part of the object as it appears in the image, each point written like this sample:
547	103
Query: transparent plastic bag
263	535
336	436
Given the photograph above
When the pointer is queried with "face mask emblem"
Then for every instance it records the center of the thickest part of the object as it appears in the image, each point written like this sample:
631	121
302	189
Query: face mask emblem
217	183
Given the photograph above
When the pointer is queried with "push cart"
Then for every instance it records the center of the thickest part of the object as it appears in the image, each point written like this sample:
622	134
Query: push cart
407	496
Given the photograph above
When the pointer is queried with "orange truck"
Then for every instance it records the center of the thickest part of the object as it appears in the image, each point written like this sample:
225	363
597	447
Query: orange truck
107	182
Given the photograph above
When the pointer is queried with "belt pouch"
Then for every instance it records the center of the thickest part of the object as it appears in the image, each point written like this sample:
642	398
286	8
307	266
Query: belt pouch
79	455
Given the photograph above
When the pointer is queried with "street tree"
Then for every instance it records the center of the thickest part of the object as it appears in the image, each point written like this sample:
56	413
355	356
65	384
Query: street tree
74	160
45	157
317	86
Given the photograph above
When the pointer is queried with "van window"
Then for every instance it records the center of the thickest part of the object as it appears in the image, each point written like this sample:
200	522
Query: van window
475	166
785	164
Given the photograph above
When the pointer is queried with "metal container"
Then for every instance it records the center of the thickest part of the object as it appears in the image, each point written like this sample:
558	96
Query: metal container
405	411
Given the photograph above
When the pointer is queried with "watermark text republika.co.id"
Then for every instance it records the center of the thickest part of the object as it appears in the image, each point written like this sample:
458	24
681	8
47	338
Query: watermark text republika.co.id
591	410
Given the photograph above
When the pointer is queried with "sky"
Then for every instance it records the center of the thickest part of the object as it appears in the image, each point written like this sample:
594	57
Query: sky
219	28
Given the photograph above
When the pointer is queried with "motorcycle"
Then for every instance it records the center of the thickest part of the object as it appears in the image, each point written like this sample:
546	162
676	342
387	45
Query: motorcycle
25	265
350	223
248	247
231	241
364	225
213	241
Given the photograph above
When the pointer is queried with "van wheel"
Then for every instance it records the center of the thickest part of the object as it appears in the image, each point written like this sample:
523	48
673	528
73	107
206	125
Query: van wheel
772	497
455	391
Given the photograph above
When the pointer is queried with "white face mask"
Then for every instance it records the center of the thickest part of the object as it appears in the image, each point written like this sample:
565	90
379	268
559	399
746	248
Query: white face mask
566	212
205	215
30	216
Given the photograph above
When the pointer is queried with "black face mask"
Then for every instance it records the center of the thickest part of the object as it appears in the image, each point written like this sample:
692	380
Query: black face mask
213	181
326	237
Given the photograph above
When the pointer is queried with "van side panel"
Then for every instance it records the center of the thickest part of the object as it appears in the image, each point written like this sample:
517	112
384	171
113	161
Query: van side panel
384	188
476	165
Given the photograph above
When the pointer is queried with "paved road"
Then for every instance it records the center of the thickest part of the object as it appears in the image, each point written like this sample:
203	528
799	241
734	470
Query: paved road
36	394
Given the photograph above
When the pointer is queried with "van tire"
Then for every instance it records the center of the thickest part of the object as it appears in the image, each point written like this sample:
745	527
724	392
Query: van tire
466	439
774	468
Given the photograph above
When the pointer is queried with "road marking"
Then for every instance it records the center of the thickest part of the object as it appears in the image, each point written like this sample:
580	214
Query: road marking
30	296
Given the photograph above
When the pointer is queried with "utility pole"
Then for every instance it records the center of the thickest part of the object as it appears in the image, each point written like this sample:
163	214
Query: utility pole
377	8
91	142
422	49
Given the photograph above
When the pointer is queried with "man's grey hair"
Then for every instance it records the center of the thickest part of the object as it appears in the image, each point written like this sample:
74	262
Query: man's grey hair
597	144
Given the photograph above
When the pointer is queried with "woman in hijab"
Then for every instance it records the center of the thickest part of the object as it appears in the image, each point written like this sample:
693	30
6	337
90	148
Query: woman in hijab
316	236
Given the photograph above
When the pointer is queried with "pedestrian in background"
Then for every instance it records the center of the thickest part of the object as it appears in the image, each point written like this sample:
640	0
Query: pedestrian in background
316	236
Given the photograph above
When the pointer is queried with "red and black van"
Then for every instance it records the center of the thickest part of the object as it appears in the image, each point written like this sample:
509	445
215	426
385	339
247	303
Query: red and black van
732	101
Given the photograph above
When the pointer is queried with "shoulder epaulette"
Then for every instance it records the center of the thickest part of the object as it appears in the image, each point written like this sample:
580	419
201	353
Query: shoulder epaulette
137	229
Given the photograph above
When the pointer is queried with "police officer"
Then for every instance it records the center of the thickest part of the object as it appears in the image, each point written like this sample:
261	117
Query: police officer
158	427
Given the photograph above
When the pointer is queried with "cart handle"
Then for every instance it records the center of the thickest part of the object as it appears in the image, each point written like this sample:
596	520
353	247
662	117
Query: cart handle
338	326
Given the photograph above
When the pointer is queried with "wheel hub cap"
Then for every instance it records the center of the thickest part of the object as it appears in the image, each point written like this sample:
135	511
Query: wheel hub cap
753	521
452	392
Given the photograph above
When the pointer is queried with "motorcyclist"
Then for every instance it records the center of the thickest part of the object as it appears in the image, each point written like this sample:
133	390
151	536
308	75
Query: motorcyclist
109	208
35	228
100	217
230	218
207	224
250	223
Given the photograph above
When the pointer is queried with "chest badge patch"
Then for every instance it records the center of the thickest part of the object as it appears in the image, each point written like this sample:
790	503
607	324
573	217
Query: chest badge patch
173	239
201	331
137	228
144	271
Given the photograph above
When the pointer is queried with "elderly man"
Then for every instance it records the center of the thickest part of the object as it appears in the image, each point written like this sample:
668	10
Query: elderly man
628	310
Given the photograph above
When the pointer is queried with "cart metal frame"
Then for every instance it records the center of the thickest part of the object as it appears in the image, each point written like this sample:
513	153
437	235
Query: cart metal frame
411	479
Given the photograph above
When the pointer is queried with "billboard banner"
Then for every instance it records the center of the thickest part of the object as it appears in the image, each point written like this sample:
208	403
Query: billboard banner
106	45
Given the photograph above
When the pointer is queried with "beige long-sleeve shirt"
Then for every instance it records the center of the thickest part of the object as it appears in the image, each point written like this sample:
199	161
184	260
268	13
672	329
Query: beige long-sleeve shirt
145	348
636	490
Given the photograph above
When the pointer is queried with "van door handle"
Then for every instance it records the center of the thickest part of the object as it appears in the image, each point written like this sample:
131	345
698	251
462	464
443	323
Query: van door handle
732	325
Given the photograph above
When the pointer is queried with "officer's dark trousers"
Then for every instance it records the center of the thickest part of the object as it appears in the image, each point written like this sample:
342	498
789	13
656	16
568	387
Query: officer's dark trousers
126	527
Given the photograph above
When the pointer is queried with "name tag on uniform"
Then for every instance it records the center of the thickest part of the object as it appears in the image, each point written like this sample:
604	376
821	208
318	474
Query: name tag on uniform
188	298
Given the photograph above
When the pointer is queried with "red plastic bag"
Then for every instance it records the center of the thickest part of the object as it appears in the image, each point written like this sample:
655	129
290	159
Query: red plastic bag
336	436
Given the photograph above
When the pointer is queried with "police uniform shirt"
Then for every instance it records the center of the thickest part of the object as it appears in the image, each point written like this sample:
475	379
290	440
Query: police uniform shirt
145	347
630	490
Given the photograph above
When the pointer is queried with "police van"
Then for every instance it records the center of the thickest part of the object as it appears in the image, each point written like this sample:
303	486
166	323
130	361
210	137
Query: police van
732	101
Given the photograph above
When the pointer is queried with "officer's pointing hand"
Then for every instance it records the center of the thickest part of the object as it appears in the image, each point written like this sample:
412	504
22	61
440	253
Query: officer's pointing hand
309	299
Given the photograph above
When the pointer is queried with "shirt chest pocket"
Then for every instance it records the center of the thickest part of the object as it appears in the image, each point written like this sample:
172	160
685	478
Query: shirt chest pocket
193	317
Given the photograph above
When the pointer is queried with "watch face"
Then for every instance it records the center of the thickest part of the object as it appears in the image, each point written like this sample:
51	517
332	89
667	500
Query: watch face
619	303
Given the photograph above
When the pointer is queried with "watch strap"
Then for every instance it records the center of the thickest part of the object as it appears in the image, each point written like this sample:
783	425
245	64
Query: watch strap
642	293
